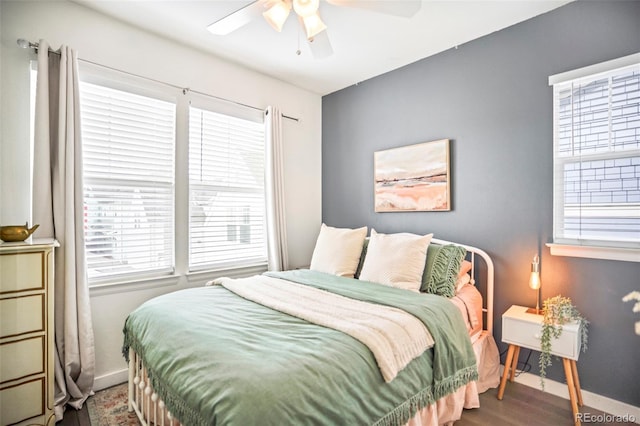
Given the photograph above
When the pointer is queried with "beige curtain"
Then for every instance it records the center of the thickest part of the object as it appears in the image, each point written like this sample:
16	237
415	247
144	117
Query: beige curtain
276	229
58	208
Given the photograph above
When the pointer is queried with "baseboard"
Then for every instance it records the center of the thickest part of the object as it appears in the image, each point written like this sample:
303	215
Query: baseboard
590	399
111	379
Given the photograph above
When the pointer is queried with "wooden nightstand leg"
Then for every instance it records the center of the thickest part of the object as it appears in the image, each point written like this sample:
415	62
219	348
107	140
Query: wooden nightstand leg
572	389
514	364
505	373
576	381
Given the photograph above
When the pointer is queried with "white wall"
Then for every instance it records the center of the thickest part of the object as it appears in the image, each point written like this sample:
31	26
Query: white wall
109	42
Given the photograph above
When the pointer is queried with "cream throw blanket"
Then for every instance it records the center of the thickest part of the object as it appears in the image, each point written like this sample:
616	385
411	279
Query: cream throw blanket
394	336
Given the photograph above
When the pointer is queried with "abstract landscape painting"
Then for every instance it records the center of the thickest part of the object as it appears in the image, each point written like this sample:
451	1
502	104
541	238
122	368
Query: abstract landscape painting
413	178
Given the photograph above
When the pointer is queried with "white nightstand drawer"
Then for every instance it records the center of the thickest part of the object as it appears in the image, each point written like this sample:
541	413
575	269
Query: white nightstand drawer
524	329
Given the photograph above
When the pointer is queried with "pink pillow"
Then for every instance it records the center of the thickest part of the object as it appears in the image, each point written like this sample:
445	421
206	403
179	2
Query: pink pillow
465	266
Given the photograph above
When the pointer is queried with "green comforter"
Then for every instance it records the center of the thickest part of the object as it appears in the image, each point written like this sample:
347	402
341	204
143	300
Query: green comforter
218	359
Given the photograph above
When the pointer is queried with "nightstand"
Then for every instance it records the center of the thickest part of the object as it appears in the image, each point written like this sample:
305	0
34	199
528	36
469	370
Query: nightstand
522	329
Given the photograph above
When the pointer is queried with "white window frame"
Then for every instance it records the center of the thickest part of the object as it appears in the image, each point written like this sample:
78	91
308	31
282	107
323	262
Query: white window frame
101	76
180	274
625	251
238	111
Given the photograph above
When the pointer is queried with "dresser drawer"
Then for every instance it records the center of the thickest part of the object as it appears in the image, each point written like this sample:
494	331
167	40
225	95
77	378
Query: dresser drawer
21	402
527	334
26	332
21	315
21	359
21	271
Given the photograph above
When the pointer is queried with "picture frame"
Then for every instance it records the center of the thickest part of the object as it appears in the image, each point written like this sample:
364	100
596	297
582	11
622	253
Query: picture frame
413	178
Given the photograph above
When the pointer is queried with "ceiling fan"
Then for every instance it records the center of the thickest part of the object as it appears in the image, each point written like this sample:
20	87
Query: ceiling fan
276	12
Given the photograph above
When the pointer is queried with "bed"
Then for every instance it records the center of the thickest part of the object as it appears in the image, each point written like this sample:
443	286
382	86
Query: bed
237	351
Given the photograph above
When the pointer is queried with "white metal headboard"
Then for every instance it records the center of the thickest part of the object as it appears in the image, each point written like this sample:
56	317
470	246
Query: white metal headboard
488	297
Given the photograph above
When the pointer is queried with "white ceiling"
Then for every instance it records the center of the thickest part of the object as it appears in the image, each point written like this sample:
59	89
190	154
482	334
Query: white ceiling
365	43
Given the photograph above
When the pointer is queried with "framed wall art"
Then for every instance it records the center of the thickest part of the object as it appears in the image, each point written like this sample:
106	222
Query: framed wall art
413	178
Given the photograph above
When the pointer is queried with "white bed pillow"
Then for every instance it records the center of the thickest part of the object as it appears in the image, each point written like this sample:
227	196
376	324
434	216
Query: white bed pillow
396	260
338	250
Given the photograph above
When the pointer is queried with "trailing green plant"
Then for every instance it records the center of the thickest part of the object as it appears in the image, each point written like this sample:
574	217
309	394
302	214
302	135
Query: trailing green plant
556	312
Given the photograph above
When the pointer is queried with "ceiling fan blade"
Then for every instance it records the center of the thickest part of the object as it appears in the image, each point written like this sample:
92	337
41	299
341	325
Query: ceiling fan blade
403	8
237	19
320	46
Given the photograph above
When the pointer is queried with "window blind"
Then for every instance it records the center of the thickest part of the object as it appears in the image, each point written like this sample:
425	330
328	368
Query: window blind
128	165
597	159
226	191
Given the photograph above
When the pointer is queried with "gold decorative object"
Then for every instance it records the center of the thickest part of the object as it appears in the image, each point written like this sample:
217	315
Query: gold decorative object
12	233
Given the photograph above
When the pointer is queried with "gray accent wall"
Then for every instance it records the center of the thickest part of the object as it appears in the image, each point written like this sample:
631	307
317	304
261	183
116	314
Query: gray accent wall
491	98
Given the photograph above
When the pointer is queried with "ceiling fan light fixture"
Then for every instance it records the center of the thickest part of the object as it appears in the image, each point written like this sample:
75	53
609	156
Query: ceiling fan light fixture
313	25
277	14
306	8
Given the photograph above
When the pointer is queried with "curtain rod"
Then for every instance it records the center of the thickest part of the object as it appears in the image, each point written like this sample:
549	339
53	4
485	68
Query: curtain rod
26	44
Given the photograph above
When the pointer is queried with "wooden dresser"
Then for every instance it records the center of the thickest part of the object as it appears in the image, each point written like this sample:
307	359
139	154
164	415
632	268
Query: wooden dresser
26	333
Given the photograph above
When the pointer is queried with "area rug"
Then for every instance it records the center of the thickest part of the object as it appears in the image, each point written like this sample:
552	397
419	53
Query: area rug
109	407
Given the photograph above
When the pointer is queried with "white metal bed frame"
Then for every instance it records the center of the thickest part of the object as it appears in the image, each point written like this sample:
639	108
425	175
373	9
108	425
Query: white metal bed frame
487	298
150	409
148	406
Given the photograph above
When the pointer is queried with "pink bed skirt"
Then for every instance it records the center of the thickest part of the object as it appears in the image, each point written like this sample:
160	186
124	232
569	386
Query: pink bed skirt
449	409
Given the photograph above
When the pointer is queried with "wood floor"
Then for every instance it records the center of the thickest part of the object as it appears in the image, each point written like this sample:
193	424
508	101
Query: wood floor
521	405
76	418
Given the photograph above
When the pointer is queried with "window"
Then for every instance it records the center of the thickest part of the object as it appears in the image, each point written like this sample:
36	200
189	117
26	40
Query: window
597	158
153	153
128	163
226	190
